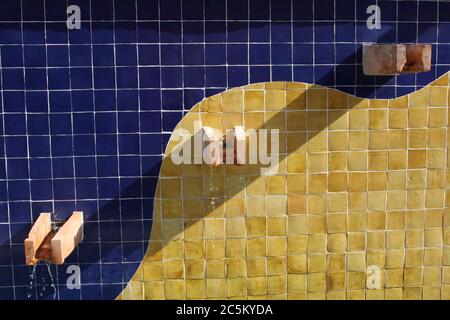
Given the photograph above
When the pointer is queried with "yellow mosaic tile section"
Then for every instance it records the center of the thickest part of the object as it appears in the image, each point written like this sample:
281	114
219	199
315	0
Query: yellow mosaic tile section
361	183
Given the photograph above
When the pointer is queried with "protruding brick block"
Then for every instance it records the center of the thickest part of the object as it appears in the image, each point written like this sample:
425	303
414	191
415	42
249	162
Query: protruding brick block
235	147
67	238
212	146
390	59
41	228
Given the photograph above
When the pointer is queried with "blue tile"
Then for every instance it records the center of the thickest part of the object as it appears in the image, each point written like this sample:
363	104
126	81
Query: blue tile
15	124
60	124
40	169
237	54
215	9
83	123
17	169
170	32
303	32
85	167
58	79
237	9
148	32
215	31
13	101
259	54
81	78
84	145
323	32
41	190
282	54
106	144
102	9
12	56
80	55
13	79
128	144
33	33
260	9
82	100
104	78
63	168
86	188
237	31
407	10
105	122
193	32
64	189
215	76
427	11
124	10
18	190
149	55
39	146
126	55
109	210
107	166
215	54
171	77
281	32
171	55
345	10
345	32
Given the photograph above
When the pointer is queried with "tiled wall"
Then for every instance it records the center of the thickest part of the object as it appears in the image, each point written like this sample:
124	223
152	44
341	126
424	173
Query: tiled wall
86	113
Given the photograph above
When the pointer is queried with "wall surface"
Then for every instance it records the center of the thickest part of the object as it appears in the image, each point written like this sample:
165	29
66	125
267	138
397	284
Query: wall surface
87	113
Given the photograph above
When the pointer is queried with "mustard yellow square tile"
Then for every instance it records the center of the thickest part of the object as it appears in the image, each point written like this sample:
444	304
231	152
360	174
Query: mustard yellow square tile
378	160
317	282
317	295
378	119
376	220
357	201
276	285
195	269
193	230
235	207
171	208
317	243
438	97
412	293
296	184
194	249
297	244
376	258
215	249
336	223
296	204
175	289
393	294
358	140
413	277
214	228
276	185
376	240
414	257
356	241
317	142
395	239
377	181
433	219
276	226
436	158
415	219
336	262
336	281
296	120
357	221
395	259
235	248
401	102
337	161
397	160
337	242
275	120
153	270
378	103
174	269
296	283
154	251
434	198
214	120
192	209
436	137
419	99
296	142
417	159
254	120
232	101
256	226
358	119
398	118
256	286
397	180
256	206
358	103
416	179
338	141
317	98
445	292
378	140
337	100
174	250
297	225
437	117
432	256
212	104
338	120
317	162
317	224
275	99
256	267
396	200
432	276
215	269
394	278
154	290
446	256
236	267
317	263
296	163
397	139
297	264
417	138
215	288
276	205
317	183
417	118
356	261
235	227
196	289
316	120
236	287
431	292
276	246
376	200
357	181
276	266
375	294
357	161
296	99
254	100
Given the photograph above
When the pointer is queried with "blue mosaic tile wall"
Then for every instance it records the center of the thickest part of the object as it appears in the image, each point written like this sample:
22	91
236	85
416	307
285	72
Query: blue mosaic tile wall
86	113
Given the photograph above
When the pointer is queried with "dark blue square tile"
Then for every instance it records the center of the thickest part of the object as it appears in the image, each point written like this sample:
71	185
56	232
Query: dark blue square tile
102	32
63	168
237	31
33	33
81	78
148	55
15	124
215	31
170	32
83	123
171	55
58	79
260	9
237	54
13	79
37	101
106	144
16	146
281	32
57	56
129	144
215	9
171	77
80	55
126	55
148	32
84	145
193	32
86	188
39	146
64	189
85	167
12	56
282	54
41	190
104	78
215	54
13	101
40	168
17	169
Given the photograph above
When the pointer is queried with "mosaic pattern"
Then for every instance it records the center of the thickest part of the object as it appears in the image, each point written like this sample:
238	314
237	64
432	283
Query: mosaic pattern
361	183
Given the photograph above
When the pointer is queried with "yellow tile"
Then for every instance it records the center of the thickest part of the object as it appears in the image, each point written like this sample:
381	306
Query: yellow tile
336	281
276	285
275	99
358	119
317	263
236	287
215	288
378	119
317	282
235	248
296	283
317	98
276	266
296	99
296	121
232	101
154	290
253	100
398	118
438	97
276	246
356	261
256	286
195	269
337	242
297	263
175	289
